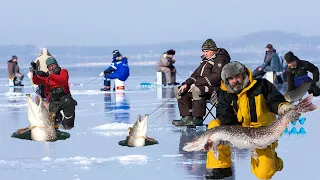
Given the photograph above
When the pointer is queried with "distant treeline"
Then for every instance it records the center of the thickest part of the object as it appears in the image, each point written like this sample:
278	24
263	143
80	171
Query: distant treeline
245	47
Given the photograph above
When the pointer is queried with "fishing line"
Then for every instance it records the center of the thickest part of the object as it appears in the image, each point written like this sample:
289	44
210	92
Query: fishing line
90	81
29	52
179	75
162	104
166	101
164	112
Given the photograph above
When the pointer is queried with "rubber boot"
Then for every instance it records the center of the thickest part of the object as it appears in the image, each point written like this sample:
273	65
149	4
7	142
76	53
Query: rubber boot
196	121
218	173
184	121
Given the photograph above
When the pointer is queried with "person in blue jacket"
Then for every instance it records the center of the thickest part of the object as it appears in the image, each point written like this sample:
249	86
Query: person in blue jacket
119	69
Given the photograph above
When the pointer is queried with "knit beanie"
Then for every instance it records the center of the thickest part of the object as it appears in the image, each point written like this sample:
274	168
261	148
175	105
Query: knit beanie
209	44
51	60
290	57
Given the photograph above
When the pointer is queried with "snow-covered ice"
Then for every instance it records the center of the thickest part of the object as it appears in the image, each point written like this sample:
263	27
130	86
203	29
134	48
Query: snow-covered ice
102	120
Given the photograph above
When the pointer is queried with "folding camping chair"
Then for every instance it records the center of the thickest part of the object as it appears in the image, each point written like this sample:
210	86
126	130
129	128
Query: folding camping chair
213	101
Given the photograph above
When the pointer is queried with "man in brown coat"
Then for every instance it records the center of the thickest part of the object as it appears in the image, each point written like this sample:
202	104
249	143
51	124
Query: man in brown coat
14	71
194	92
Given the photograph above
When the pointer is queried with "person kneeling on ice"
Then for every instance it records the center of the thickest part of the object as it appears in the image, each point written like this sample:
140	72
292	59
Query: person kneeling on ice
119	69
297	73
57	92
194	92
249	103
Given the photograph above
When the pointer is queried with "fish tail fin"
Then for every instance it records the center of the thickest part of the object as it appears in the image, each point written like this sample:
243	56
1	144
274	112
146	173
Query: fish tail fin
305	105
197	144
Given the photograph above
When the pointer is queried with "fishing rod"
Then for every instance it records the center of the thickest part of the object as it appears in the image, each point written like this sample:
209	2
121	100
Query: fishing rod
166	101
162	104
90	81
164	112
29	52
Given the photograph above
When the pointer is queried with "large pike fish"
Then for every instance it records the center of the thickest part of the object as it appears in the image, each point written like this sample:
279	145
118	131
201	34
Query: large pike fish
298	93
249	138
41	122
138	133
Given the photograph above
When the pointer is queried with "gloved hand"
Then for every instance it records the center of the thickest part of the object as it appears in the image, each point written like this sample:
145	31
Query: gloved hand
285	108
42	73
191	87
106	72
33	66
101	74
182	88
208	145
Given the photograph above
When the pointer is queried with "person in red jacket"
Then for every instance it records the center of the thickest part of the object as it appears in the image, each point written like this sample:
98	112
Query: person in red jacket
57	92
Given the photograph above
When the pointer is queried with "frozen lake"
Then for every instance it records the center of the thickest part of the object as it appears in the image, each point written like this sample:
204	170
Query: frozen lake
102	120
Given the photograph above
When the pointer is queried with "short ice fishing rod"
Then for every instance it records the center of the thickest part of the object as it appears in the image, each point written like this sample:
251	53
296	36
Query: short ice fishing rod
31	61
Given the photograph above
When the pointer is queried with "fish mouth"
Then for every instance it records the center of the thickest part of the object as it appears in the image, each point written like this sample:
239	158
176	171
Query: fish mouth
144	119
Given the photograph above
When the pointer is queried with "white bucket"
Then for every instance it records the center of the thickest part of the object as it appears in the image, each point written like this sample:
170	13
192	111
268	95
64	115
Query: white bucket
11	84
119	85
161	79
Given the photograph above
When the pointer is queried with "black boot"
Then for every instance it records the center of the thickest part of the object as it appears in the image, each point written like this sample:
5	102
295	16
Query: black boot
106	88
184	121
198	121
218	173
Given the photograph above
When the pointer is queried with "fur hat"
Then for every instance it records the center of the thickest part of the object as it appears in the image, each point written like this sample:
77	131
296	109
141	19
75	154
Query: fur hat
51	60
290	57
231	69
171	52
209	44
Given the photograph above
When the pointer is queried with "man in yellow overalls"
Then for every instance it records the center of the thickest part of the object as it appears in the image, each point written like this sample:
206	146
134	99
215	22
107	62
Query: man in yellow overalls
250	103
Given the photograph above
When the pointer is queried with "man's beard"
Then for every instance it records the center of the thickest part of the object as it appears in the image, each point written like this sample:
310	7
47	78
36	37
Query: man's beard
238	86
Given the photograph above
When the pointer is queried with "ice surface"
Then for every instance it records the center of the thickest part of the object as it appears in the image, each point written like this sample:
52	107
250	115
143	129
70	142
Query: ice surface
102	120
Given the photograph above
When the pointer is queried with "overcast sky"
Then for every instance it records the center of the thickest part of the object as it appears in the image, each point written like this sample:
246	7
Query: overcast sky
118	22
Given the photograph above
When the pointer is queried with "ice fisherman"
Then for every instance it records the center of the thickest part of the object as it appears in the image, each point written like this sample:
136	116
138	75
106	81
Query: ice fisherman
249	103
165	65
119	69
297	73
194	92
14	73
57	92
271	63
